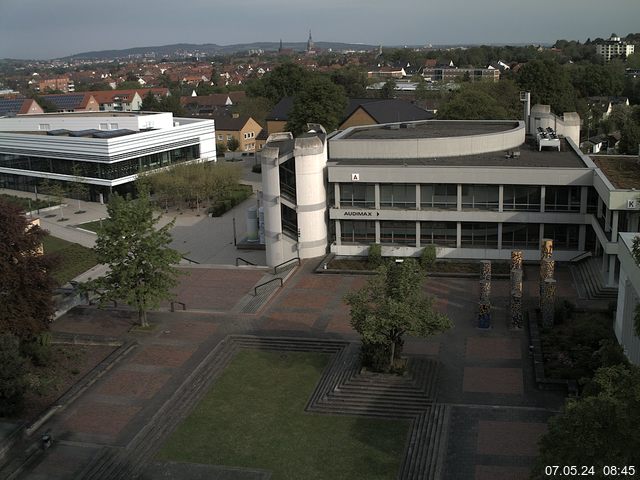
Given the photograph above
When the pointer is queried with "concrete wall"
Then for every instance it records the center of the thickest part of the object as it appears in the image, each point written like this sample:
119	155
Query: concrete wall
628	295
568	125
509	139
84	121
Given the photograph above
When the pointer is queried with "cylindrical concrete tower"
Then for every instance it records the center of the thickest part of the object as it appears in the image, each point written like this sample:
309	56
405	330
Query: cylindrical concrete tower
271	205
311	161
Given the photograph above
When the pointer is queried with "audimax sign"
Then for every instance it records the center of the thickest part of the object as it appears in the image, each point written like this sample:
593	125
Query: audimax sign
359	213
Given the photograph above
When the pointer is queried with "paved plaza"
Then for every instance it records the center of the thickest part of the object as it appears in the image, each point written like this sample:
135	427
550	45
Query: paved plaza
497	413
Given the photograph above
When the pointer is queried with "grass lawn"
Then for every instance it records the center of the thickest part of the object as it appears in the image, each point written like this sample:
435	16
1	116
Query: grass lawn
254	416
73	259
91	226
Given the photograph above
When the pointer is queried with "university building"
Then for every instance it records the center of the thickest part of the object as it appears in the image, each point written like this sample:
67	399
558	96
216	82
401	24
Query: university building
107	149
474	189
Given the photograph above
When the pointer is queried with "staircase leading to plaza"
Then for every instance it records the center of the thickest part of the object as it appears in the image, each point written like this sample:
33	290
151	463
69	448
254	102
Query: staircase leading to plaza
588	273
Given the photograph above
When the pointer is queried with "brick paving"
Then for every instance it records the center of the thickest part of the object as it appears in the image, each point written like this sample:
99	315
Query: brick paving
497	417
493	380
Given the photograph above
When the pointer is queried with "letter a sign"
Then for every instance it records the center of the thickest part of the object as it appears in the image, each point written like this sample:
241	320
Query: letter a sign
355	177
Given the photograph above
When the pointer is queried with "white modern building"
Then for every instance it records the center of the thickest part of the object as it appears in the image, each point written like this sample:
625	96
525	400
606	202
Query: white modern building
108	149
614	47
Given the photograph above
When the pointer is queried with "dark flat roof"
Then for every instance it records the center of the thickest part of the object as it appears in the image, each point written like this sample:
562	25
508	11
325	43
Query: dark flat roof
529	157
436	129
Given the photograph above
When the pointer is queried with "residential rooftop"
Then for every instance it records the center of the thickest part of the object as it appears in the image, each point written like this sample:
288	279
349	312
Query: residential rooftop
429	129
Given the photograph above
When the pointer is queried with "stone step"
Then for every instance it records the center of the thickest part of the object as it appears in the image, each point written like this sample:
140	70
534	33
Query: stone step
369	411
589	274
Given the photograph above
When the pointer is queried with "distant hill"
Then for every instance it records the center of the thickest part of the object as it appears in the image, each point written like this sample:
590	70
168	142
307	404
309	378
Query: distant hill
184	49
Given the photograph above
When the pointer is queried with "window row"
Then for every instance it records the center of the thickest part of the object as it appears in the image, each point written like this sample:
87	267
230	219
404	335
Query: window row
472	234
523	198
108	171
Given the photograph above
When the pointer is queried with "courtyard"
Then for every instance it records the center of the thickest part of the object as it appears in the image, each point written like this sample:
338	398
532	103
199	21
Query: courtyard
189	397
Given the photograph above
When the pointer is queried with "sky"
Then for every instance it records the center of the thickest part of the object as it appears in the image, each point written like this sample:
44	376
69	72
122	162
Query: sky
42	29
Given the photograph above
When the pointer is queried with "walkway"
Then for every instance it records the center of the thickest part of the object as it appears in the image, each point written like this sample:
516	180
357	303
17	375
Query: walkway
496	415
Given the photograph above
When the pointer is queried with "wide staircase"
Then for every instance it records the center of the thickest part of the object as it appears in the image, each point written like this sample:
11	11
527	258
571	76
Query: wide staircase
587	273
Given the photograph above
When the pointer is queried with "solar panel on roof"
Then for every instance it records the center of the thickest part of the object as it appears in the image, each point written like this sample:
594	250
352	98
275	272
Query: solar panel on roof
65	102
11	106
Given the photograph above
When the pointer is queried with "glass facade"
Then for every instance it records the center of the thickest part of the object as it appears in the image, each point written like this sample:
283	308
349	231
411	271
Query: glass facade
521	198
520	235
438	233
479	235
480	197
562	199
357	195
565	237
287	172
105	171
398	195
397	233
358	232
439	196
289	221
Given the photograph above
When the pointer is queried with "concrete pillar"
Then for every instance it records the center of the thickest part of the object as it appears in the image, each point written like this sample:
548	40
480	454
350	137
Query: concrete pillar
311	160
418	197
633	222
377	231
458	235
584	194
543	196
376	190
614	225
541	233
607	220
500	201
336	194
274	243
582	237
548	301
338	226
459	198
417	234
611	280
500	236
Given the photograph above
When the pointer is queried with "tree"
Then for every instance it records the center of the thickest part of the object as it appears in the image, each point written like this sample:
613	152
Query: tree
600	428
12	379
352	79
320	101
57	191
285	80
482	101
388	89
233	144
77	187
150	103
391	305
26	286
549	84
142	268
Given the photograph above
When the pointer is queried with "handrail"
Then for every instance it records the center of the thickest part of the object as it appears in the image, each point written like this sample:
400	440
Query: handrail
191	261
245	261
275	269
255	290
173	302
581	256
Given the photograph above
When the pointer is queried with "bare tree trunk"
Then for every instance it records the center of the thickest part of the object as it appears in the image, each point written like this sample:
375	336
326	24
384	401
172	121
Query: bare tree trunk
393	353
142	318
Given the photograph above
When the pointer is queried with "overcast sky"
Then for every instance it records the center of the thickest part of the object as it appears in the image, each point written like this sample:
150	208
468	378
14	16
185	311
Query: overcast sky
55	28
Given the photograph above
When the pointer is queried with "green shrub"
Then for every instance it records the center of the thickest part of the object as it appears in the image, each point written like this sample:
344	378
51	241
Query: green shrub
38	349
428	257
375	256
12	379
563	311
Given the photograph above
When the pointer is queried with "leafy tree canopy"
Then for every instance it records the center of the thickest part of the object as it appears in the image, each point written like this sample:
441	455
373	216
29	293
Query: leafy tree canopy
142	268
285	80
549	84
393	304
599	429
26	286
483	101
319	101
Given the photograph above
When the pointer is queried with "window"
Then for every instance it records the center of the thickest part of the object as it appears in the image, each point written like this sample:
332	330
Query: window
403	233
44	126
523	198
357	195
113	126
441	196
565	237
480	197
438	233
480	235
398	195
562	199
220	137
287	172
229	137
104	126
520	235
289	221
353	231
